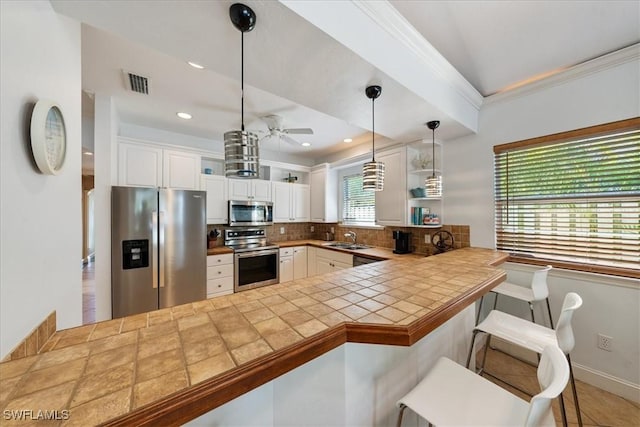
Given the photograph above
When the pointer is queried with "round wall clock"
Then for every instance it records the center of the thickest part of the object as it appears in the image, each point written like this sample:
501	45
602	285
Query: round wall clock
48	137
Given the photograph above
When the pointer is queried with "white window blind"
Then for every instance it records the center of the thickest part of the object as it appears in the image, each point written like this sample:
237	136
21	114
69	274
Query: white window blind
358	205
575	201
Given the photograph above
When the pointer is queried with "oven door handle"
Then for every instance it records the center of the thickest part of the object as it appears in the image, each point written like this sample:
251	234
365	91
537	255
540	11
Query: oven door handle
252	254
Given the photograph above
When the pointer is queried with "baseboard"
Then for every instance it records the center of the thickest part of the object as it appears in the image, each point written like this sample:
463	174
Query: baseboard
598	379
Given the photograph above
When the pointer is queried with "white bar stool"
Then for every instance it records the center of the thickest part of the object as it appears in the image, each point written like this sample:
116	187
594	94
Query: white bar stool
538	291
534	337
454	396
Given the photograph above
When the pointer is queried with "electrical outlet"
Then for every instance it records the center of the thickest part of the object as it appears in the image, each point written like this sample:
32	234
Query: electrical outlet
605	342
281	230
426	238
313	229
333	230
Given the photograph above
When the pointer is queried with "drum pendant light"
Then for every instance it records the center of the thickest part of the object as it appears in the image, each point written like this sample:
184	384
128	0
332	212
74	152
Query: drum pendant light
373	172
241	157
433	184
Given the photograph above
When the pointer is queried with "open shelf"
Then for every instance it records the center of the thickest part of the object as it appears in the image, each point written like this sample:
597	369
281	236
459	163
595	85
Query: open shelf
426	226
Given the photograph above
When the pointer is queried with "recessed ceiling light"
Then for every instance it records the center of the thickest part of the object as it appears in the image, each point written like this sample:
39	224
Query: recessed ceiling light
87	153
185	116
347	140
305	144
195	65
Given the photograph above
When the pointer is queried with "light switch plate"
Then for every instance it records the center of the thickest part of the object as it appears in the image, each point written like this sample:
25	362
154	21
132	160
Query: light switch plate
281	230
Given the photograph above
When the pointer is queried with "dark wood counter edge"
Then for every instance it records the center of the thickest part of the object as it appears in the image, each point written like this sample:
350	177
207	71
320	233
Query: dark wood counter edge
201	398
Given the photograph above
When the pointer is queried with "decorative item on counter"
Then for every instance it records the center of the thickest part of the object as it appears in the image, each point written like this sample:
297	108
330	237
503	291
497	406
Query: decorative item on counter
212	238
421	161
418	192
290	178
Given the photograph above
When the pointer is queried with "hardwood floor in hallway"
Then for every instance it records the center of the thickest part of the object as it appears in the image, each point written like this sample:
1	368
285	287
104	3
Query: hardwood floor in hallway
88	293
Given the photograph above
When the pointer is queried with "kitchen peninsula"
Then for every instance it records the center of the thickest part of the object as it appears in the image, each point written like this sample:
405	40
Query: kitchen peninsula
172	365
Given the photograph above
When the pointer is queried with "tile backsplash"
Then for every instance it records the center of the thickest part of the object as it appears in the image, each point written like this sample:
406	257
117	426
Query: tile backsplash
34	342
374	237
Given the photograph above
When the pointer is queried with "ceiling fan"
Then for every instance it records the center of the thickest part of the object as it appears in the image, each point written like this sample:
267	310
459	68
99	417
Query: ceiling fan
274	124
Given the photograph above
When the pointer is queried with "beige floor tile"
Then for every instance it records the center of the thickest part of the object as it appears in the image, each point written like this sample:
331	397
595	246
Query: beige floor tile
374	318
407	307
338	291
367	292
132	323
158	345
249	306
251	351
113	342
392	314
159	364
385	299
200	350
304	301
193	320
182	311
239	337
318	310
198	333
283	338
17	367
334	318
159	387
210	367
202	306
52	376
353	297
371	305
157	330
94	386
106	329
110	359
159	316
7	385
322	296
54	398
100	410
337	303
227	319
278	299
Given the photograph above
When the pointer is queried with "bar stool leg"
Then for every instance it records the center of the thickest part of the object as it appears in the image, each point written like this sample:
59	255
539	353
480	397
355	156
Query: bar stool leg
480	309
402	408
473	341
549	311
575	392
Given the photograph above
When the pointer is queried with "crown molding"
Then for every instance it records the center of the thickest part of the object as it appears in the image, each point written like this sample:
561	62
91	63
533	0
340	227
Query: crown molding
596	65
390	20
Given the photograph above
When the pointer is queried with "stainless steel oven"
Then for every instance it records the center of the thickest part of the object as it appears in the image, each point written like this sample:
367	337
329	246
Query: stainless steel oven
250	213
256	262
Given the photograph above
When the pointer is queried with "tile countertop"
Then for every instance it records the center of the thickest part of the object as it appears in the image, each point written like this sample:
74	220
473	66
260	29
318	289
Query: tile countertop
171	365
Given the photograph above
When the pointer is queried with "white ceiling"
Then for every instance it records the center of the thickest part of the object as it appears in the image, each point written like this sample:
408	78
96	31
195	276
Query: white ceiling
294	69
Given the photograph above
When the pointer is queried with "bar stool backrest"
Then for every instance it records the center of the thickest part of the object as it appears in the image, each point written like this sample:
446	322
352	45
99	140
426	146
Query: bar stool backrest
553	375
539	284
564	331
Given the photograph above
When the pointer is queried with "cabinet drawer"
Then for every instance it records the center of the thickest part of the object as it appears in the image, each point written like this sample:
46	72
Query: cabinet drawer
219	259
218	271
286	251
224	284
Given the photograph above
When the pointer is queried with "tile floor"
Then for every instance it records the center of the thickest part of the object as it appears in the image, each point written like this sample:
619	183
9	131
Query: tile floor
598	407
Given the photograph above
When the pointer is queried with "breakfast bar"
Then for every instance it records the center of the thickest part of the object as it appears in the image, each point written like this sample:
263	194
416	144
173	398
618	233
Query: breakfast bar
172	365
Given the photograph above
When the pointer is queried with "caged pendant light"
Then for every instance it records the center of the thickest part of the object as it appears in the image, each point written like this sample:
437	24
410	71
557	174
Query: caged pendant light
373	172
241	157
433	184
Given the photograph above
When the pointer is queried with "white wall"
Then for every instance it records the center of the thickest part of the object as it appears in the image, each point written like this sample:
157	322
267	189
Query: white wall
352	385
40	215
604	91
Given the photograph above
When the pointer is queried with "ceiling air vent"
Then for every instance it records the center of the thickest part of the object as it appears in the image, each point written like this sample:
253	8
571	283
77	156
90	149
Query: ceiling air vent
137	83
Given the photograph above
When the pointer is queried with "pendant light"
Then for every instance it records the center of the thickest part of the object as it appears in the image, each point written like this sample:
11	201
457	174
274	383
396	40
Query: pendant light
433	184
373	172
241	158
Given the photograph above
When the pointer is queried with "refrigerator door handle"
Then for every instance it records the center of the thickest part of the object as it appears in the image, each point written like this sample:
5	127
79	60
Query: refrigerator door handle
161	253
154	248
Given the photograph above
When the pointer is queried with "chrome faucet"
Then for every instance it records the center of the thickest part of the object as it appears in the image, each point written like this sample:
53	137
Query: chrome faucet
352	235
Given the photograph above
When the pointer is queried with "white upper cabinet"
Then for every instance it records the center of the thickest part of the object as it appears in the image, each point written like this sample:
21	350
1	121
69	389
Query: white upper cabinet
249	189
324	194
217	206
391	203
141	165
290	202
180	170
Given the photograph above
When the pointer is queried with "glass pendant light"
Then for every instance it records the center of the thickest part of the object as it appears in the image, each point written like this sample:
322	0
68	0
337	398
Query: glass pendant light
433	184
373	172
241	157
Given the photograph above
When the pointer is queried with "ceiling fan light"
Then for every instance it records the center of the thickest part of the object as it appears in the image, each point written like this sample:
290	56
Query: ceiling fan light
433	186
241	154
306	144
373	176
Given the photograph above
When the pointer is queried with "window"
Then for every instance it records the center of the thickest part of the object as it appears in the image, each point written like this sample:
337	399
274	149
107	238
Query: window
358	205
572	199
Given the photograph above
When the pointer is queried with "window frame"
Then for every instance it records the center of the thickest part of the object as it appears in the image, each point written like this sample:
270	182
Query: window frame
563	137
350	172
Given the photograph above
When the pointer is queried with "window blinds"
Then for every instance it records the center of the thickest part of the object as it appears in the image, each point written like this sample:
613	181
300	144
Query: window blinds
574	201
359	206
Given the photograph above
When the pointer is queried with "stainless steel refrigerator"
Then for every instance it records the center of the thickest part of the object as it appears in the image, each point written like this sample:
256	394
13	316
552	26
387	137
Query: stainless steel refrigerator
158	248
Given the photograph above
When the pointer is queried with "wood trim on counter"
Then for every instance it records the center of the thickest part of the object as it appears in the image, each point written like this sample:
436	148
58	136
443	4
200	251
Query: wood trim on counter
201	398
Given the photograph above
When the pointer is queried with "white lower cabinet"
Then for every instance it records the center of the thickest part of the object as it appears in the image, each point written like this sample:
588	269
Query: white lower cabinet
286	265
219	275
312	263
299	262
328	261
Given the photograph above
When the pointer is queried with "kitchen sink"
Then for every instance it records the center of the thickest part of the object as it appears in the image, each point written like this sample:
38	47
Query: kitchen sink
344	245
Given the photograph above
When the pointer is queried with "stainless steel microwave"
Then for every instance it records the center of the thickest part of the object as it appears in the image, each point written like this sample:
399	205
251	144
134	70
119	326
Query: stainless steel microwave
250	213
